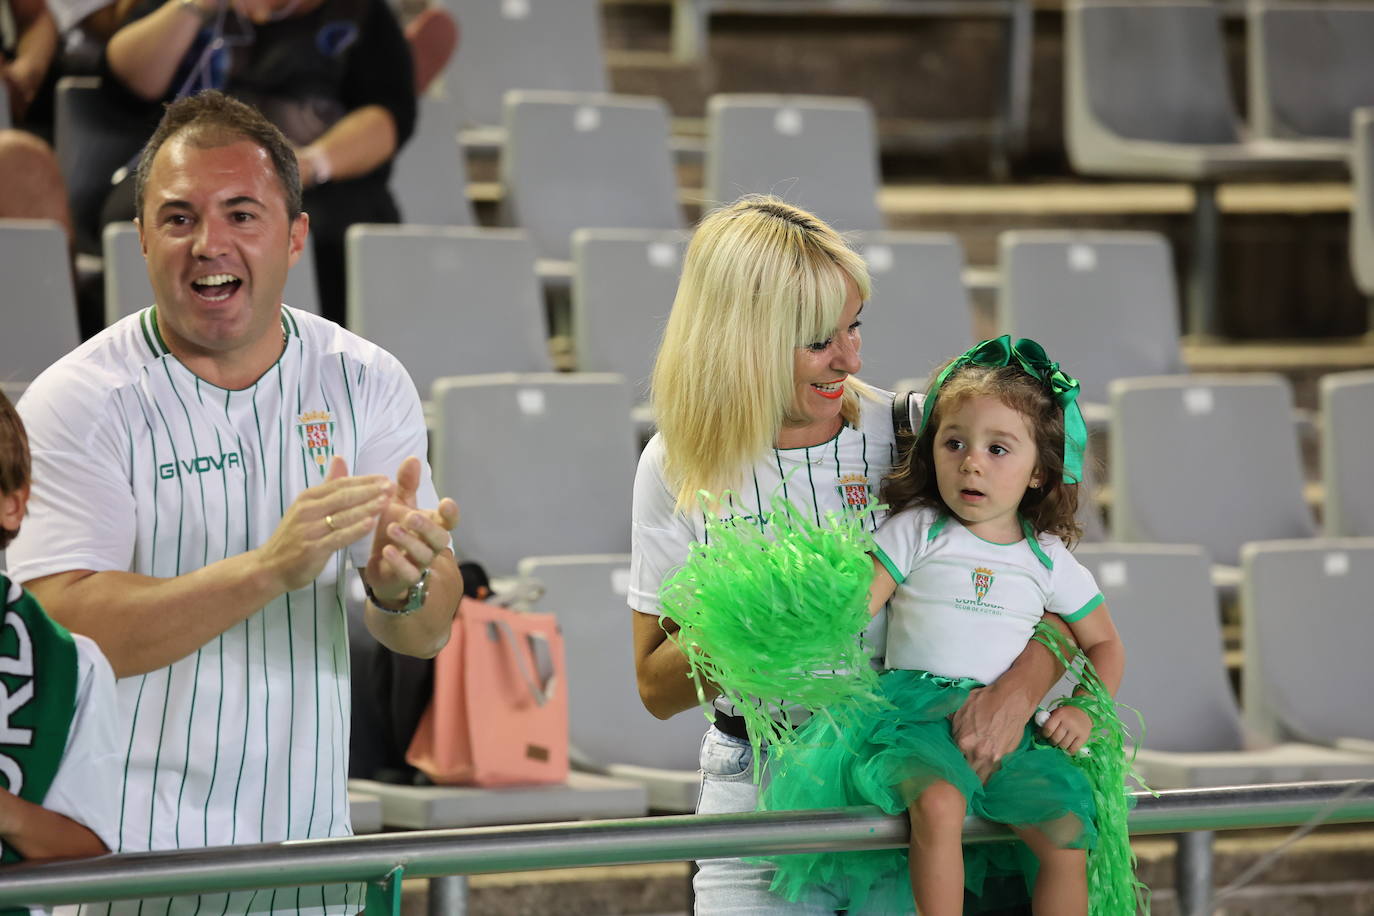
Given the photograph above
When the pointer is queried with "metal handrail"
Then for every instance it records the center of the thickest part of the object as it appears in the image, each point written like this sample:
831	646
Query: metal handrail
377	859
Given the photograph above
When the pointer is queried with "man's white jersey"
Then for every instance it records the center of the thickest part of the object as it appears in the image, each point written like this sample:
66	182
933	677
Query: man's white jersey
139	465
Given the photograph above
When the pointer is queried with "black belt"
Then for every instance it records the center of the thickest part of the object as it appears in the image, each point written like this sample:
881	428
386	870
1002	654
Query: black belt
734	725
731	725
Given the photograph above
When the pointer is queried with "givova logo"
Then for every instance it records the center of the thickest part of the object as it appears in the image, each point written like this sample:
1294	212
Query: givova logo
201	464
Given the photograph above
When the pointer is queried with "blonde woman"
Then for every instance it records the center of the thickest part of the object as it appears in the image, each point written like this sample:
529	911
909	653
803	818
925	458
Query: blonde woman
755	392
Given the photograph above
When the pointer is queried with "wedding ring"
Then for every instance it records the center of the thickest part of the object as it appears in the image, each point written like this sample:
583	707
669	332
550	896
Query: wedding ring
329	520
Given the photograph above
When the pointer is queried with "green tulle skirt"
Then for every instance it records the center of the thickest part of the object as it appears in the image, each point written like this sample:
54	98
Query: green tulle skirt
888	759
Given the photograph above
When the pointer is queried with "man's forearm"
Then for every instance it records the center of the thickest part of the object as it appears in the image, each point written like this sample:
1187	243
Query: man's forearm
423	633
143	623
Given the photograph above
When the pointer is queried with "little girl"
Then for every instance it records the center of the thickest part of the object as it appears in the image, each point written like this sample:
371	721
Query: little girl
972	556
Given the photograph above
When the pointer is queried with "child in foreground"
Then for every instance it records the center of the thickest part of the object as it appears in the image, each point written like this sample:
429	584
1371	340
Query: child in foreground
59	763
973	555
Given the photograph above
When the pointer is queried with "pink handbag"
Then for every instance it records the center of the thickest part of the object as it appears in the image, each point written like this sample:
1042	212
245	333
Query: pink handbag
499	714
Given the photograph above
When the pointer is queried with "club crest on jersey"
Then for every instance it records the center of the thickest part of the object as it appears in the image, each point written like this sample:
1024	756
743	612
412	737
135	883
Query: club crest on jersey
982	581
316	428
854	490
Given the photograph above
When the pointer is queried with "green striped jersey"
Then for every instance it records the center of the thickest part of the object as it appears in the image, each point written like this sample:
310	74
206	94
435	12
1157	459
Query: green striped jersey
139	465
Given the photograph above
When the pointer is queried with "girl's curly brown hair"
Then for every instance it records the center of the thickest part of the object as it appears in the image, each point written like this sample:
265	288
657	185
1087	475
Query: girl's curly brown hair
1050	508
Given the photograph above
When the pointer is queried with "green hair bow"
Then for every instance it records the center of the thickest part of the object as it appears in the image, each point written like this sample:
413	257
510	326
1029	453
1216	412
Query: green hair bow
1032	359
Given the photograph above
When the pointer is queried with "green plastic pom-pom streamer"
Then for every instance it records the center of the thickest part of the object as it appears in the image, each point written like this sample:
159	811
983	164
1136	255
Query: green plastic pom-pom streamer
1113	889
773	613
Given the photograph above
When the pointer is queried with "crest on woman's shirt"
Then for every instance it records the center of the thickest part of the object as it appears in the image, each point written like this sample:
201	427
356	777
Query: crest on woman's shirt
855	491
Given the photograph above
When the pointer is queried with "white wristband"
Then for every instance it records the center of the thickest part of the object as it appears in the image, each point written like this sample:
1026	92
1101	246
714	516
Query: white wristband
320	168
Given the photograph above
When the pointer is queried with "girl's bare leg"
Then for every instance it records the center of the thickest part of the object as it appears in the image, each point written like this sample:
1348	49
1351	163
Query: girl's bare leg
937	851
1061	888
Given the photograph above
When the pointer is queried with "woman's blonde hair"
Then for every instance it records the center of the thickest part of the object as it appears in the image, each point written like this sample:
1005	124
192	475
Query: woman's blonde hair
761	278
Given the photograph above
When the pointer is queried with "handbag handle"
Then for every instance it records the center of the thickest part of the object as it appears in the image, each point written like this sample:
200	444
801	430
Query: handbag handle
498	628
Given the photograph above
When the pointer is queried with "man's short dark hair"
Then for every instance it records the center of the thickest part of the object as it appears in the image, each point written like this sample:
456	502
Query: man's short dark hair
209	119
14	457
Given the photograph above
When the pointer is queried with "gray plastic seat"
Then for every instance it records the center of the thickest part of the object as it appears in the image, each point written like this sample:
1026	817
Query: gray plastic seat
1307	633
918	313
1102	303
429	177
1308	68
447	300
624	283
127	288
1206	459
610	729
1148	95
582	160
40	305
1164	605
1347	444
820	153
1362	209
522	44
541	464
5	121
91	140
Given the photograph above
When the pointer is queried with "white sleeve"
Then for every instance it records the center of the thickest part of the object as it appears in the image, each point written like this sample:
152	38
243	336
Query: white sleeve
395	430
900	540
1073	590
87	785
660	536
81	509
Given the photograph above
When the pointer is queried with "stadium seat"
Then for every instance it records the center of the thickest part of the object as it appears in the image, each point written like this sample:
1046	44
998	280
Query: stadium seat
1347	444
1164	605
820	153
429	177
1103	304
918	313
523	44
624	282
127	289
92	140
447	300
576	160
1205	459
1307	633
611	731
541	464
1148	95
1362	208
40	313
1308	69
4	106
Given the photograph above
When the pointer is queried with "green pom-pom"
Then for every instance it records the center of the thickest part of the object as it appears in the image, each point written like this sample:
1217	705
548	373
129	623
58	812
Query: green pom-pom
771	611
1113	889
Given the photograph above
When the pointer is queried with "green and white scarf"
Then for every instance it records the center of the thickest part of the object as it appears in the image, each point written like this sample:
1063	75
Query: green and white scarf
37	698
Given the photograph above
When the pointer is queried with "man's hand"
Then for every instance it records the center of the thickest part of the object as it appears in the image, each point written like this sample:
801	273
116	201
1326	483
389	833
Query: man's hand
322	521
407	539
988	727
1068	727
